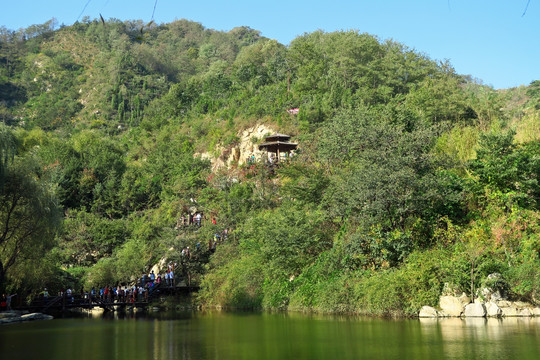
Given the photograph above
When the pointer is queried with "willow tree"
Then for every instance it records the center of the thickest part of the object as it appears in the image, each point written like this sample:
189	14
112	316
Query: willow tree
29	218
7	150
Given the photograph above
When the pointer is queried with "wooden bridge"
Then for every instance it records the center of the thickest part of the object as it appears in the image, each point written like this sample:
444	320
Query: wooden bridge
64	302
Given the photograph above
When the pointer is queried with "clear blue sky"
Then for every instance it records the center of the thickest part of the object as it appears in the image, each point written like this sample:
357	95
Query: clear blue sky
488	39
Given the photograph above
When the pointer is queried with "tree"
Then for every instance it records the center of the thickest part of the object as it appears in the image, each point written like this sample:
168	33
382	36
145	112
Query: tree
7	150
29	216
382	173
508	168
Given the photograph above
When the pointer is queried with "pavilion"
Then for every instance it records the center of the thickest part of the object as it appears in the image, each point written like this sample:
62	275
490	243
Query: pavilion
278	144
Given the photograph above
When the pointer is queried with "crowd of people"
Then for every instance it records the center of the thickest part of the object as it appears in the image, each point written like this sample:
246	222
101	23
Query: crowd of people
191	219
141	289
136	292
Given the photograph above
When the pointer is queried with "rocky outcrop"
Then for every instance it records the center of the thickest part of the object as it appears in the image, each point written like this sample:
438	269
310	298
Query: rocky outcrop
490	302
249	140
239	153
518	309
453	306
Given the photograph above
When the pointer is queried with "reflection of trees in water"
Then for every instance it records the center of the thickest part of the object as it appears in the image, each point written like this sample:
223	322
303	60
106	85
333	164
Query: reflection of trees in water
482	338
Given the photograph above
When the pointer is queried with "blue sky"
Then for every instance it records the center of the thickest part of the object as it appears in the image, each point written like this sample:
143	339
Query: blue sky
488	39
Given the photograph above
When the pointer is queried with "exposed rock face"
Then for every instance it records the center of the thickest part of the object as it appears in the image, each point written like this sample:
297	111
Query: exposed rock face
453	305
240	153
475	310
246	146
159	266
428	312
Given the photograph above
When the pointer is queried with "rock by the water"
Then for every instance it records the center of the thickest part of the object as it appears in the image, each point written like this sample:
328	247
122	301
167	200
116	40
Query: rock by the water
493	310
10	317
452	305
9	314
10	320
504	303
428	312
475	310
521	304
519	308
509	311
36	316
526	312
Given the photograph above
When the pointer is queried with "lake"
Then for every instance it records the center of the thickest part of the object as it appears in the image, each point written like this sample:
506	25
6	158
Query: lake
222	335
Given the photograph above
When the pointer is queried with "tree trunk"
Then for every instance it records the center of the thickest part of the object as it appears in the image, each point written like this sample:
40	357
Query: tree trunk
472	280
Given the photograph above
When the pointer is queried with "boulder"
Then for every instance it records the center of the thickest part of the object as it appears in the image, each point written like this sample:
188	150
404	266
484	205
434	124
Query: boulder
428	312
9	314
162	264
521	304
452	305
496	296
509	311
475	310
10	320
526	312
536	311
504	303
493	310
488	294
36	316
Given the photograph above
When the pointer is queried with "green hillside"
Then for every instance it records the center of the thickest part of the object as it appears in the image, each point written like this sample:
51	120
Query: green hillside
409	177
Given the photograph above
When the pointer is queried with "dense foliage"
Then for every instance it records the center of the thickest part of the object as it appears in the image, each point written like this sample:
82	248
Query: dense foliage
410	178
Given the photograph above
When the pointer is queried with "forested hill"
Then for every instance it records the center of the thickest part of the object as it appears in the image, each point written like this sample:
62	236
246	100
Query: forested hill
408	176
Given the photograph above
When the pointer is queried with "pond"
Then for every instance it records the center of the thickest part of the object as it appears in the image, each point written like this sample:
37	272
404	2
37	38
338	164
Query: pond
220	335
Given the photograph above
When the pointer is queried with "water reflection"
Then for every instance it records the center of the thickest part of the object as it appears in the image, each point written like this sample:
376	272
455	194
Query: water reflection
508	338
219	335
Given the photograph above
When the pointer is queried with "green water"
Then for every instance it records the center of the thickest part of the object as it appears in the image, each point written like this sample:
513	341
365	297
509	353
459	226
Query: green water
269	336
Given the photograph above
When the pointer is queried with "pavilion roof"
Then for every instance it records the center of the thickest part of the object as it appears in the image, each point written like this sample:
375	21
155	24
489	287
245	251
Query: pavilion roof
274	146
278	137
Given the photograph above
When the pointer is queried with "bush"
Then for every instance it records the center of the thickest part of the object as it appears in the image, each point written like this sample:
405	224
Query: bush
237	284
524	280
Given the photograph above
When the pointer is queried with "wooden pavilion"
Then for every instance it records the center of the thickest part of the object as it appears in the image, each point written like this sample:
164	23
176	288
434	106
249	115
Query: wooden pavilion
278	144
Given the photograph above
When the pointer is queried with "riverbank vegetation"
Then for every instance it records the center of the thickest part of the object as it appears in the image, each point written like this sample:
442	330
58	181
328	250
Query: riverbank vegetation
410	179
